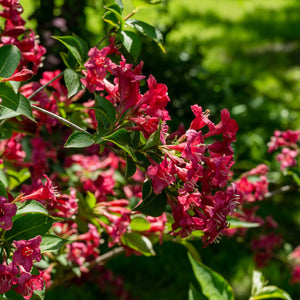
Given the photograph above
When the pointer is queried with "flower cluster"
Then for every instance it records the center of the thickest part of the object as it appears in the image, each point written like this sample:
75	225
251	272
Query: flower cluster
287	140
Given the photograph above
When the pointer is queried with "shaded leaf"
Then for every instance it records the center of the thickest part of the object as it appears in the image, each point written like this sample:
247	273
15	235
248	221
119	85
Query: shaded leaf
10	57
29	226
194	294
3	190
32	207
73	83
154	205
130	167
131	42
213	285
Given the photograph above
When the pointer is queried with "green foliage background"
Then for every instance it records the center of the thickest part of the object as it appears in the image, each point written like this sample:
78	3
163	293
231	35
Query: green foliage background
238	54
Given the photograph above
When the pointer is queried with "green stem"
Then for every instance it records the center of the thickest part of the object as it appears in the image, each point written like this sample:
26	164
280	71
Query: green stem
42	87
61	119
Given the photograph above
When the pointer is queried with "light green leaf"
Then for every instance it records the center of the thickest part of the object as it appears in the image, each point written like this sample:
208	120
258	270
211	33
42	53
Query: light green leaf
271	292
139	223
131	42
52	243
213	285
236	223
144	3
91	200
10	57
138	242
79	140
31	207
73	83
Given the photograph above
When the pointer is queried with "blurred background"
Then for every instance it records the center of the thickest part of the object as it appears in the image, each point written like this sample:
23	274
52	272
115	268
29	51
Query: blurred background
243	55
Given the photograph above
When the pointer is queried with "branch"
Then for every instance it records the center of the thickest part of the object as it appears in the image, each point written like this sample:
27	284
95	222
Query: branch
282	189
99	260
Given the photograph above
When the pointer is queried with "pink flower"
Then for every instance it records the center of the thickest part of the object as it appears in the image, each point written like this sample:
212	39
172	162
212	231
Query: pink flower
287	158
27	252
28	283
162	175
7	211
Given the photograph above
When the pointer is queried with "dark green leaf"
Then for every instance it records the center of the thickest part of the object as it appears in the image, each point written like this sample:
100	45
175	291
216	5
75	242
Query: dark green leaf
29	226
79	140
16	102
106	107
138	242
130	167
10	57
147	189
121	138
120	4
154	139
69	60
73	83
135	136
213	285
52	243
3	190
148	30
131	42
154	205
74	45
194	294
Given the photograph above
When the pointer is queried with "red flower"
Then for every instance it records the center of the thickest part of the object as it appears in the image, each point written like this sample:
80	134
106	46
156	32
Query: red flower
27	252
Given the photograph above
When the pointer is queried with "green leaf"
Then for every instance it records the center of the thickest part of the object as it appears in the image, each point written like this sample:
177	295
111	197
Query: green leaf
236	223
271	292
139	223
194	294
73	83
146	189
10	57
154	205
144	3
130	166
114	16
148	30
121	138
74	45
90	200
213	285
120	4
16	102
259	289
29	226
154	139
32	207
52	243
135	136
79	140
3	190
131	42
138	242
106	108
69	60
17	177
